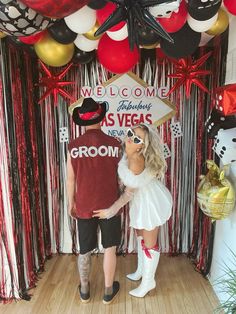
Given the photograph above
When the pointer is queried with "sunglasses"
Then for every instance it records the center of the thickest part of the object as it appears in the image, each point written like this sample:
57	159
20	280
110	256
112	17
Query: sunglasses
136	139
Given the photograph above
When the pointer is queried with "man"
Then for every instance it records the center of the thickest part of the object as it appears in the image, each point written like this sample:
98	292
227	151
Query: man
92	184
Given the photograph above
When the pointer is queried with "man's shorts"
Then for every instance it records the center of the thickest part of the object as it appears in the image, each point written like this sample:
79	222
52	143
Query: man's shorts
88	230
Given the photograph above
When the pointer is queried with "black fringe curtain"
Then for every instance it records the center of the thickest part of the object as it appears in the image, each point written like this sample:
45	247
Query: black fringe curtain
204	229
25	242
33	209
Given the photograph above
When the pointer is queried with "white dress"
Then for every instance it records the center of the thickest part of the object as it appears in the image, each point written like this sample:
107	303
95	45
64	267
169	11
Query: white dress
151	204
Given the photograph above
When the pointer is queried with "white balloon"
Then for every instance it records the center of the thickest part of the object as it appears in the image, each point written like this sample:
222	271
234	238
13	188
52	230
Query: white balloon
201	26
85	44
165	9
82	20
121	34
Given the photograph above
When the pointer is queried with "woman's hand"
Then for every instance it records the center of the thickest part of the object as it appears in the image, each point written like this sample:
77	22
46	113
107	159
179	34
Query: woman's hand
101	213
125	197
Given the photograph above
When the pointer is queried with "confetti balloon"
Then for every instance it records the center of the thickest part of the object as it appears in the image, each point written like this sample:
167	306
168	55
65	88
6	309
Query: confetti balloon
215	195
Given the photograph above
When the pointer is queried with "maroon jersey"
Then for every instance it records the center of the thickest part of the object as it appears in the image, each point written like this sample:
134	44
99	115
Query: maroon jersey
94	158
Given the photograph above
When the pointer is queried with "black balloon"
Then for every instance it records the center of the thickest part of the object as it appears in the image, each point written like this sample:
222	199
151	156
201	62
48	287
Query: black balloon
83	57
61	33
147	36
97	4
186	41
203	11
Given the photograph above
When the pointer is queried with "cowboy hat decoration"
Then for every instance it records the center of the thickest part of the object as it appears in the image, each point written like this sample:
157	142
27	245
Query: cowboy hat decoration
89	113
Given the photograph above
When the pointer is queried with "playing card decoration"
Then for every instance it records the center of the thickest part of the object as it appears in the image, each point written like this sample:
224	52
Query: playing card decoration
176	129
226	99
63	135
166	150
215	195
217	120
225	145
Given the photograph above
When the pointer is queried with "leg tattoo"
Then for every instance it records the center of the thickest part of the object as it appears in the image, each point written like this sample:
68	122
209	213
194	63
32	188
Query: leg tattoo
84	266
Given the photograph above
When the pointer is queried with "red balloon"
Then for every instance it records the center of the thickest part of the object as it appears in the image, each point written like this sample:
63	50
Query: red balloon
33	39
116	56
105	12
230	6
176	21
55	9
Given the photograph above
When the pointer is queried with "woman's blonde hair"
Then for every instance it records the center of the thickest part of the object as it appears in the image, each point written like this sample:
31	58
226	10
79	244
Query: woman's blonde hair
153	151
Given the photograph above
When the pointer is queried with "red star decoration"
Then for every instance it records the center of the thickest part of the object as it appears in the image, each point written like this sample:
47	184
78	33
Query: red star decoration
188	73
53	84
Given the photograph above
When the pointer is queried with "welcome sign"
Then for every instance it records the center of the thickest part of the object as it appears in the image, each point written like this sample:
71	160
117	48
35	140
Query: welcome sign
129	101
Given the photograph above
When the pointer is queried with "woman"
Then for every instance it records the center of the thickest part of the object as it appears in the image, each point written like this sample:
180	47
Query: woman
140	169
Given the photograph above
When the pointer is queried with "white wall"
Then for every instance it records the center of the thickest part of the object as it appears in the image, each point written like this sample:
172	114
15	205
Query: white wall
225	236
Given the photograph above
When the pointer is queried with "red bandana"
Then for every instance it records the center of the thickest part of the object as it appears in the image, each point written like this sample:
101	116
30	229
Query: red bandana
91	115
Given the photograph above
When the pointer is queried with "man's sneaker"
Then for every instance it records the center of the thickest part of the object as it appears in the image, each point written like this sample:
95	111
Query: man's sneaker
84	297
108	298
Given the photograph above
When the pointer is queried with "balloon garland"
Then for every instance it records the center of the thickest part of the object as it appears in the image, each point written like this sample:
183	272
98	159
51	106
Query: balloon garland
82	24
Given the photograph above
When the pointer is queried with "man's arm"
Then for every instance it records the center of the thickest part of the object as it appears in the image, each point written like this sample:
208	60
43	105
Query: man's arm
70	184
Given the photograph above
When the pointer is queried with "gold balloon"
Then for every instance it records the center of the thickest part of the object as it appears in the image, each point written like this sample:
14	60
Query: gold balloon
53	53
221	24
90	34
215	195
2	35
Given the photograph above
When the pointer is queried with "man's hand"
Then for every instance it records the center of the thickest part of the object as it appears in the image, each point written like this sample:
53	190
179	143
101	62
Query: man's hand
72	211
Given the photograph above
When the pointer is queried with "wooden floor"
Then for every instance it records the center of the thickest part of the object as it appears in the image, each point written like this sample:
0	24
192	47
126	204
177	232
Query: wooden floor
180	290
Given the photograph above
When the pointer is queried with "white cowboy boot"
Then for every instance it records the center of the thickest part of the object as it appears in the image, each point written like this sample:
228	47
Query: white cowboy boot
137	275
148	279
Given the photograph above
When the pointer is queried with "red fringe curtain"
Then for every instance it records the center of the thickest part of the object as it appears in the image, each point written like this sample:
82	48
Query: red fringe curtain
33	209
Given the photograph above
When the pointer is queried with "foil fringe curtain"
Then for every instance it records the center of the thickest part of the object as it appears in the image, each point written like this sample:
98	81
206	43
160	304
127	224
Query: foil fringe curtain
33	209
